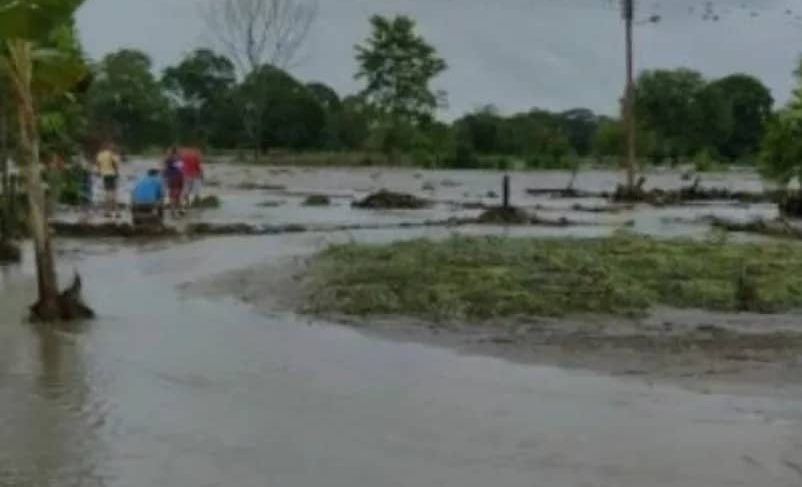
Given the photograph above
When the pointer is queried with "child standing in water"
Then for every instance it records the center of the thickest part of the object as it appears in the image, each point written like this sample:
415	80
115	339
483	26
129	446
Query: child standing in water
174	180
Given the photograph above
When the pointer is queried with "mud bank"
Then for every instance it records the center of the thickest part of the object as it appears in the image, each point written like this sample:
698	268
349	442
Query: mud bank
209	229
700	350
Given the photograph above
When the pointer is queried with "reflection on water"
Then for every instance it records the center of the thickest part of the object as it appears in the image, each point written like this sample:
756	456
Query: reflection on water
50	418
167	389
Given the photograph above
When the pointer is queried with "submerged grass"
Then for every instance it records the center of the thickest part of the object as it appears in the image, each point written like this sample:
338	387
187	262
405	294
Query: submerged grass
486	277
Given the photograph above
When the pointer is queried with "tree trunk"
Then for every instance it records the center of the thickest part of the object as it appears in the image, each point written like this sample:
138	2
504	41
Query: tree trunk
6	226
48	307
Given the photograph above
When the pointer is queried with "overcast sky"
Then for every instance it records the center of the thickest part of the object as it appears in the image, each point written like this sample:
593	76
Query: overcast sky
515	54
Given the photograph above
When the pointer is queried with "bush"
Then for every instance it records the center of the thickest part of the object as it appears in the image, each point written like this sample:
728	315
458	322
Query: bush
781	150
706	161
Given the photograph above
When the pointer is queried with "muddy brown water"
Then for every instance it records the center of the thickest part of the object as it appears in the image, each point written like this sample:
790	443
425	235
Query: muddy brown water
172	388
168	388
449	190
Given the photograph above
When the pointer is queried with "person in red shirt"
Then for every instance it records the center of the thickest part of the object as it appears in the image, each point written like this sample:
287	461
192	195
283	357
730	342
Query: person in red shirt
192	164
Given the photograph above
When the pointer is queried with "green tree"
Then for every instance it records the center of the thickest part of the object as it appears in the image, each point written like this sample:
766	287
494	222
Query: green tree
398	67
667	105
609	140
291	117
481	130
330	101
781	154
126	102
352	123
200	87
255	34
749	104
781	149
579	125
38	67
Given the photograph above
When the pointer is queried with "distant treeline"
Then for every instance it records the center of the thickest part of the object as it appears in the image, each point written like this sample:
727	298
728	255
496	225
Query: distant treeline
681	117
209	100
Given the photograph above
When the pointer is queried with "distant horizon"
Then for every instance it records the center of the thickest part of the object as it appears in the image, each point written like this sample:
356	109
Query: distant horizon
492	66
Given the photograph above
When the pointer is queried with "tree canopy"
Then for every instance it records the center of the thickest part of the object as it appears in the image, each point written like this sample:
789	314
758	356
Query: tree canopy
398	66
126	102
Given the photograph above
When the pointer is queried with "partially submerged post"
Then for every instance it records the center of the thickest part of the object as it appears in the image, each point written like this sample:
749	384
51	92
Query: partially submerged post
505	191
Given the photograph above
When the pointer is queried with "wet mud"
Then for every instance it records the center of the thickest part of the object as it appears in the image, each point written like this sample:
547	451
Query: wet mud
699	349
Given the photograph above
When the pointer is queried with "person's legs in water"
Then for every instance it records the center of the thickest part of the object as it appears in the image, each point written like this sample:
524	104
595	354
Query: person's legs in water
176	191
110	188
192	191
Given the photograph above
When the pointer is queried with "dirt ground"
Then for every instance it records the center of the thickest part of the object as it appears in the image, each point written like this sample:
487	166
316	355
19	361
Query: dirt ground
700	350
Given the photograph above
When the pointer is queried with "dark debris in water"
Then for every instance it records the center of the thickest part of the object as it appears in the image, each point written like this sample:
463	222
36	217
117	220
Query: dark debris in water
385	199
250	186
693	193
505	215
207	202
317	200
517	216
111	229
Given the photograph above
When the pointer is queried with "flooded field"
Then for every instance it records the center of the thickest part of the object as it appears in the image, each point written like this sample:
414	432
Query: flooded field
170	386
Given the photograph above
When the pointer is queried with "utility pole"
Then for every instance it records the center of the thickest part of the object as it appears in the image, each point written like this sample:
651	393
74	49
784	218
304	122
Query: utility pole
628	12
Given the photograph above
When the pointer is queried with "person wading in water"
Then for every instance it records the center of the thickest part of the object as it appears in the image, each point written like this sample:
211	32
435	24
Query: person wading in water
174	180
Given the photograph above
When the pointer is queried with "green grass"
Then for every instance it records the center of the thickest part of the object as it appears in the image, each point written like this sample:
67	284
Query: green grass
478	278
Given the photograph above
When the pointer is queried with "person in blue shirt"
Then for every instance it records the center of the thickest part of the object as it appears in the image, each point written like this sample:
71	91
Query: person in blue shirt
147	198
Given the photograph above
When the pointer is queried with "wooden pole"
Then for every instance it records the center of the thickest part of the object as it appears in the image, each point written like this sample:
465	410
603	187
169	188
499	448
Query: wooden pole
505	191
628	8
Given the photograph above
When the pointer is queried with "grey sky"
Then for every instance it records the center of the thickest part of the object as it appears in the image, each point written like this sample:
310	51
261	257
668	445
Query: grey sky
515	54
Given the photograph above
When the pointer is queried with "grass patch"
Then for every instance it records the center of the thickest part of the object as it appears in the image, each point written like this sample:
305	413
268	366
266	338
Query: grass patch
486	277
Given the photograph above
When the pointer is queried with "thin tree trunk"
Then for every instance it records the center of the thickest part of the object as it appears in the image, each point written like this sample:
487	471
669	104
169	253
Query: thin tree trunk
629	97
48	307
5	231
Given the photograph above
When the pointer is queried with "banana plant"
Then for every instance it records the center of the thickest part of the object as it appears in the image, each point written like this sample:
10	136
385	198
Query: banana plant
39	57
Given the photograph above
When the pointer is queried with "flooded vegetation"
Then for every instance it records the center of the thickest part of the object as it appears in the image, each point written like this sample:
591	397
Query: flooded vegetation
481	278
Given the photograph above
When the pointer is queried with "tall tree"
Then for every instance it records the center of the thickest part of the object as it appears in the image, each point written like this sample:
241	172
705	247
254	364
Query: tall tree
398	67
666	104
255	33
38	68
749	104
200	88
579	125
295	119
781	149
126	102
481	130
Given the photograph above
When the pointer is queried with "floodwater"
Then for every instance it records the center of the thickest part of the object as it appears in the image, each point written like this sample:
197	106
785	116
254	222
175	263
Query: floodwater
451	191
170	388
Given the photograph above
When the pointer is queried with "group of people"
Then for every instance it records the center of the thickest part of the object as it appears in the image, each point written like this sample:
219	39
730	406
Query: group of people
179	182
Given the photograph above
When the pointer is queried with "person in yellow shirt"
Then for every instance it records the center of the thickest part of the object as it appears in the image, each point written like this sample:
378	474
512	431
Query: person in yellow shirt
108	166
